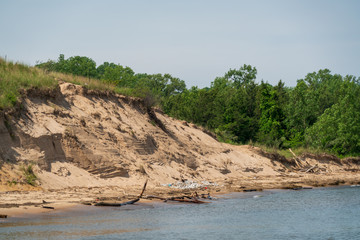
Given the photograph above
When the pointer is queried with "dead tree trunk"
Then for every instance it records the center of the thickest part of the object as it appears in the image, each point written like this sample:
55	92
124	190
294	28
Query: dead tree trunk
186	199
115	204
296	159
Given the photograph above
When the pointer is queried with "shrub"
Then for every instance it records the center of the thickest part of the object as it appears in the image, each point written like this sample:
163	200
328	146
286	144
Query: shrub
29	174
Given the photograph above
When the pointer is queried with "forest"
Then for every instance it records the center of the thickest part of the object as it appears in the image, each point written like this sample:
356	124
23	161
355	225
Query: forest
321	112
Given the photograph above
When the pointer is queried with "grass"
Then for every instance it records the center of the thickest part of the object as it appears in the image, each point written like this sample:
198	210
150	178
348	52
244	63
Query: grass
16	76
11	183
89	83
286	153
29	174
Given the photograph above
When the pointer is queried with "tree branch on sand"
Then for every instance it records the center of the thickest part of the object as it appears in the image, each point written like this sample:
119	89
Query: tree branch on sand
115	204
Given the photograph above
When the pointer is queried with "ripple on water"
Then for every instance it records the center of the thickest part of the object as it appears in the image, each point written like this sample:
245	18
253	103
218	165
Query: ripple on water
324	213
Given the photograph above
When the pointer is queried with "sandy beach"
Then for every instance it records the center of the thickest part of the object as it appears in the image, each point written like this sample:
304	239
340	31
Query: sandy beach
27	203
82	145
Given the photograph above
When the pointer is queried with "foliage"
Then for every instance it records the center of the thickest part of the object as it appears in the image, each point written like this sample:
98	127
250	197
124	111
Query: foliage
338	129
320	112
115	77
271	123
11	183
29	174
89	83
242	76
310	98
117	74
16	76
77	65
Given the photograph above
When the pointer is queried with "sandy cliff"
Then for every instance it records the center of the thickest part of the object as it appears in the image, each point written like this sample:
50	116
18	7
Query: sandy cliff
77	138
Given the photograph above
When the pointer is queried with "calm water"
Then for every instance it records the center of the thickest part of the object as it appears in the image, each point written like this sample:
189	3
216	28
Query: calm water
326	213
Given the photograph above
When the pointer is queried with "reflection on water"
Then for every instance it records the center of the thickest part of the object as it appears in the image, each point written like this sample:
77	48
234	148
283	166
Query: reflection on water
326	213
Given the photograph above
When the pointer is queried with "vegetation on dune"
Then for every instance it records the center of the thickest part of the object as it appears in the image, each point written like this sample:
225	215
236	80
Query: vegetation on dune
29	174
116	77
321	113
16	76
89	83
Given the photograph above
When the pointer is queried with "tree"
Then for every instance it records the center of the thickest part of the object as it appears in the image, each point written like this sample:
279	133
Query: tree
338	129
271	123
82	66
77	65
117	74
174	86
242	76
312	95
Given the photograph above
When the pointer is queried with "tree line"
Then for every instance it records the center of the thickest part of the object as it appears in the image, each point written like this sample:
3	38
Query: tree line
157	86
322	111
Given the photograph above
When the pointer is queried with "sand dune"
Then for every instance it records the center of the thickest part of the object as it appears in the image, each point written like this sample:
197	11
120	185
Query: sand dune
85	143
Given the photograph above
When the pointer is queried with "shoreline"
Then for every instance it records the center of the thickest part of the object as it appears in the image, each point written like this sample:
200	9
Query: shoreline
29	204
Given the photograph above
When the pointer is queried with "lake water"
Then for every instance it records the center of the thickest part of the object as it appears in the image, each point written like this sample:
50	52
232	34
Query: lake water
323	213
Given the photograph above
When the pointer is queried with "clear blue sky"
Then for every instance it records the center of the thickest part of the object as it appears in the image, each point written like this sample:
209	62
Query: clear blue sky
195	40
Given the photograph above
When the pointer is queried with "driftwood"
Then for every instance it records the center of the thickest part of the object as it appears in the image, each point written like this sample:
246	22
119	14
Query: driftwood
194	200
301	188
112	204
186	199
250	190
156	197
179	199
143	190
297	162
48	207
115	204
311	168
3	216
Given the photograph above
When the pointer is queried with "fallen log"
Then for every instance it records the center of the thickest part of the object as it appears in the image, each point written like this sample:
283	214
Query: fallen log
301	188
3	216
295	158
156	197
311	168
143	190
48	207
178	199
112	204
116	204
106	204
194	200
250	190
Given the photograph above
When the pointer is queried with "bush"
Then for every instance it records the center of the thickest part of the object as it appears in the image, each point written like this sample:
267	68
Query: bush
29	175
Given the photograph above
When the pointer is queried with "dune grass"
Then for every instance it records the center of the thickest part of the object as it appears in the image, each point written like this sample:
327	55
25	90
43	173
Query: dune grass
89	83
298	151
16	76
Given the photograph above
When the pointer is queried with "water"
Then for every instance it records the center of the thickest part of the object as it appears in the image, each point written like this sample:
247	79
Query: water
324	213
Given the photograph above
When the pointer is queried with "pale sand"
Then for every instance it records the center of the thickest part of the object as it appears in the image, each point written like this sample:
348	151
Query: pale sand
63	199
84	145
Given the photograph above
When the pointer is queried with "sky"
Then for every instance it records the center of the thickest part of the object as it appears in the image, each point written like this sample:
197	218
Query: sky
194	40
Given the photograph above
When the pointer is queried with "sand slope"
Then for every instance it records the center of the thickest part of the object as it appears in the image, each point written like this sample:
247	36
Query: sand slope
77	138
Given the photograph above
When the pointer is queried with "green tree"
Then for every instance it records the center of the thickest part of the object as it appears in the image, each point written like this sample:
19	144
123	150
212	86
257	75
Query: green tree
81	66
77	65
117	74
312	95
338	129
271	123
242	76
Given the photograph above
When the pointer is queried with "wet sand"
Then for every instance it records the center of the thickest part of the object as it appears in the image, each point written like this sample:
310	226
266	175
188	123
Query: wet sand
27	203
